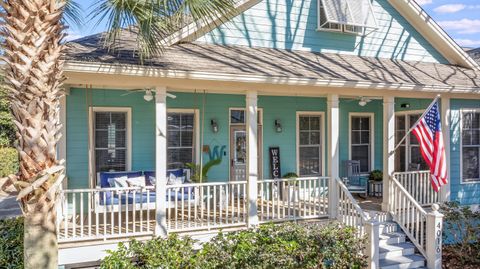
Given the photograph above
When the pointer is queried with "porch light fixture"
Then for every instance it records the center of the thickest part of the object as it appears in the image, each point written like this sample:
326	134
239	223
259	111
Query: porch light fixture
405	105
278	126
214	125
148	96
363	101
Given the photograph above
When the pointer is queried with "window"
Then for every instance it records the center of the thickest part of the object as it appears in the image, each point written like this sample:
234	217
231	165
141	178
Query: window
309	144
408	155
360	141
111	139
238	117
349	16
180	139
470	146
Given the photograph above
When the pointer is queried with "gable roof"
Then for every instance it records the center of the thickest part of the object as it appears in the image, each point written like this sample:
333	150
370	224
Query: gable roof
409	9
475	54
273	66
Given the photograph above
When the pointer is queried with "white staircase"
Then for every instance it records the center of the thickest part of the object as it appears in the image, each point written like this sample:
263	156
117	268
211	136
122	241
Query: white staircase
395	251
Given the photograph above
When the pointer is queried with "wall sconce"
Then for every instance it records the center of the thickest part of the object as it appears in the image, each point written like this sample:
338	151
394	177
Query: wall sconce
278	126
148	96
214	125
405	105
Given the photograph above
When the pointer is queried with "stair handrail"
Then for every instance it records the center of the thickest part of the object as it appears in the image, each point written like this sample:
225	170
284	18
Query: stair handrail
401	206
342	210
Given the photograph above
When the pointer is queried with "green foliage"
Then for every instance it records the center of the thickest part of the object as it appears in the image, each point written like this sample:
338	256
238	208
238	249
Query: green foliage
290	175
173	252
206	168
287	245
461	230
7	128
8	161
11	243
376	175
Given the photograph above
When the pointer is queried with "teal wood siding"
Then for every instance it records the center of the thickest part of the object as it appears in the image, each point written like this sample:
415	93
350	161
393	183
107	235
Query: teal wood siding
348	106
468	193
291	25
143	128
285	109
414	104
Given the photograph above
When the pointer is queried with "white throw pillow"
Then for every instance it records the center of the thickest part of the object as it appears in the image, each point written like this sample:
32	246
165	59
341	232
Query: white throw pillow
136	181
118	182
174	180
153	180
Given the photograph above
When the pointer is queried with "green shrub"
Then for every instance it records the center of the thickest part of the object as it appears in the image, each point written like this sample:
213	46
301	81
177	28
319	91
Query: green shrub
7	128
461	234
8	161
11	243
173	252
376	175
270	246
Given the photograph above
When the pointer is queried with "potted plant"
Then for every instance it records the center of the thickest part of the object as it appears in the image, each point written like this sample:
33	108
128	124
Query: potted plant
289	187
376	175
375	181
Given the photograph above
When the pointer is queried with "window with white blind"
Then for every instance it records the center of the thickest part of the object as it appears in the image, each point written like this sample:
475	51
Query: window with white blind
348	16
408	156
309	145
180	139
111	139
470	146
361	140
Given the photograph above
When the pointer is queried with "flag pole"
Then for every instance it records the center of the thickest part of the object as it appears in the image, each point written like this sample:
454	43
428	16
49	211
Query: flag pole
415	125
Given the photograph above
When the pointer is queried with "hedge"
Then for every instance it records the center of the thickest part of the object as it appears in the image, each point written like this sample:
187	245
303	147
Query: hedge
269	246
8	161
11	243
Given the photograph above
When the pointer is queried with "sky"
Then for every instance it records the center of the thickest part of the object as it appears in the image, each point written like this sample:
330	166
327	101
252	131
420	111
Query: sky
459	18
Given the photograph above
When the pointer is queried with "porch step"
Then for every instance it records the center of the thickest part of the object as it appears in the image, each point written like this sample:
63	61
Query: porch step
396	250
403	262
388	227
392	238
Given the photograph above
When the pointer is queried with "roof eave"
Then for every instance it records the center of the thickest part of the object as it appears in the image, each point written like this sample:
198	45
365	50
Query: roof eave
148	71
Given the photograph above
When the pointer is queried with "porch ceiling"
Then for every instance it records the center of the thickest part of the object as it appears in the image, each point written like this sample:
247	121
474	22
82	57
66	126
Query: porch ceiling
274	63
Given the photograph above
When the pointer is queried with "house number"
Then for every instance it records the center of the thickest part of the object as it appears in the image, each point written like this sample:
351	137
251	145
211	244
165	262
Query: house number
438	234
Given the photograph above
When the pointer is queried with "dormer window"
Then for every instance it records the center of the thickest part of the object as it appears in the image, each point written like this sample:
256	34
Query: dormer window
348	16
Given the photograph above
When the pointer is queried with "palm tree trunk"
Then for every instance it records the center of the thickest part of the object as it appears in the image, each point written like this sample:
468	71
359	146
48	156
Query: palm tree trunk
33	33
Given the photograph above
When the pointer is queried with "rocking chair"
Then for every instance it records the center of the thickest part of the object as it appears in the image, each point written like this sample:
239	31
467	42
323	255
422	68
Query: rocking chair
355	182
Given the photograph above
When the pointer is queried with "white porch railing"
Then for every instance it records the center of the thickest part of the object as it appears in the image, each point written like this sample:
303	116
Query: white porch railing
418	185
349	212
408	213
292	199
92	214
113	213
206	206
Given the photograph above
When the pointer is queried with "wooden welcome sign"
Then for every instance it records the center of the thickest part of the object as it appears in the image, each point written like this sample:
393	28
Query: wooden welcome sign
275	169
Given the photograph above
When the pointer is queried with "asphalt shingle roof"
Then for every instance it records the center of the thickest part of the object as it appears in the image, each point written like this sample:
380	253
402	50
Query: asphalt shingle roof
240	60
475	54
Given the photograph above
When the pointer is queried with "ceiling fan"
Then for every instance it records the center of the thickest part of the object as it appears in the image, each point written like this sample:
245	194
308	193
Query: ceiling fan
363	100
148	94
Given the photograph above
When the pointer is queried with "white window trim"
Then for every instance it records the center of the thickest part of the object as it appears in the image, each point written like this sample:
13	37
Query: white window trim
474	110
196	129
92	110
322	137
407	127
372	136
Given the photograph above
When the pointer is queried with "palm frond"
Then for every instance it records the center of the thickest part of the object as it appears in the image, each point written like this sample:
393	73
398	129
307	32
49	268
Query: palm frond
72	13
154	20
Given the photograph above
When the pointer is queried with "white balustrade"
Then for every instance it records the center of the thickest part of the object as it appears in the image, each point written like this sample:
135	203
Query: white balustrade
408	213
419	186
292	199
348	211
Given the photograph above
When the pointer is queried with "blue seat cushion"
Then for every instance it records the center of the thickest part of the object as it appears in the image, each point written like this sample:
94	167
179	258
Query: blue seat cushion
143	198
104	176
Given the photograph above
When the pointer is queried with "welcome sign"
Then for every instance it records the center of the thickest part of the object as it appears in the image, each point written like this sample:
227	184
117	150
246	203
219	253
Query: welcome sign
275	169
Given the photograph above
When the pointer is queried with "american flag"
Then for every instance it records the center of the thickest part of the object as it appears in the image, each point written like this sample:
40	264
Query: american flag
429	134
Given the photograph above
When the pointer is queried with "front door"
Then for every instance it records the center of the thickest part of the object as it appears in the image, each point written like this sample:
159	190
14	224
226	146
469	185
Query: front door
238	152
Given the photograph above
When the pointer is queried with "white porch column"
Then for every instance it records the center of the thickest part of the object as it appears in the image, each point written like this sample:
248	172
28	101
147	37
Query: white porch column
333	157
388	146
445	115
161	159
433	243
62	143
252	156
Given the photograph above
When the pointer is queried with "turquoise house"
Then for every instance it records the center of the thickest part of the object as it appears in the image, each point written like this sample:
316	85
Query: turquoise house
320	88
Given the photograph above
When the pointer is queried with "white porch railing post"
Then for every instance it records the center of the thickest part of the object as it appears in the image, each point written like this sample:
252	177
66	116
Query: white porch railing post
252	157
445	115
161	160
333	126
388	146
372	230
434	238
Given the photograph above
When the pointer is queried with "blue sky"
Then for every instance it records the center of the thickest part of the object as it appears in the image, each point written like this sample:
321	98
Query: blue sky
460	18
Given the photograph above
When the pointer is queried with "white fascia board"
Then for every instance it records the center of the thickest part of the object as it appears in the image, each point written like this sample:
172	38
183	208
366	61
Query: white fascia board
145	71
433	33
